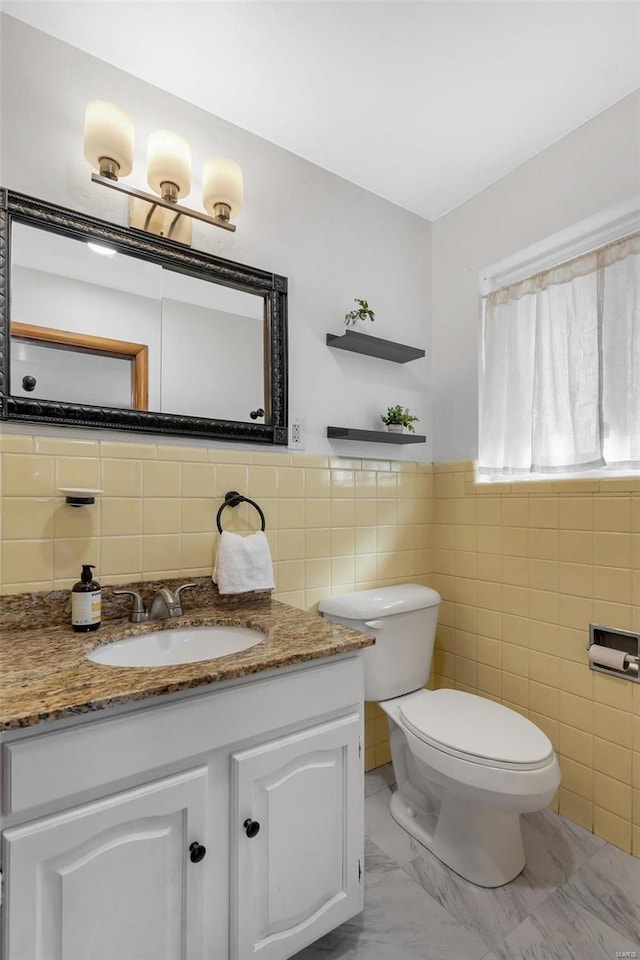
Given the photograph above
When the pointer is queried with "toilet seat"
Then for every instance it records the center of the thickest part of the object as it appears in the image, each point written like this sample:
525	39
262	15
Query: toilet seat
475	729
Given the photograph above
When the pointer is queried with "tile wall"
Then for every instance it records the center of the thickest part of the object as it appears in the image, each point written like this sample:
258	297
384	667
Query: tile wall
522	571
333	524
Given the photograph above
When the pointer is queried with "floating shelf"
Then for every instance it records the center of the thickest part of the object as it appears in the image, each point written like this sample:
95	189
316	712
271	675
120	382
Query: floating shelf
373	436
374	347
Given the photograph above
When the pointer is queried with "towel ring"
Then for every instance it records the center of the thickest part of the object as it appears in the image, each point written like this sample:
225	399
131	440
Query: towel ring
232	499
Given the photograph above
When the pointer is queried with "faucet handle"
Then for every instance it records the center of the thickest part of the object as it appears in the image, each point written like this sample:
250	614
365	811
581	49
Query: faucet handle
138	613
184	586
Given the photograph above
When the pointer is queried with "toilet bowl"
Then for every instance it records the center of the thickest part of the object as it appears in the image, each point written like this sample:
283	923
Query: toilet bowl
465	767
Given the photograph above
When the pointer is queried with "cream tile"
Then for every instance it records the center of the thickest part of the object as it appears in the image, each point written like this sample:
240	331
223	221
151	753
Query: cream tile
68	521
59	447
161	553
576	579
227	477
612	795
263	482
317	513
342	542
366	567
612	584
16	443
576	546
121	478
272	458
198	551
291	482
317	543
342	483
612	828
197	516
576	809
70	555
343	513
128	451
161	478
120	516
576	711
291	545
182	454
515	511
160	515
612	725
27	476
490	509
121	556
27	561
318	572
342	571
612	760
291	514
78	472
290	575
612	514
27	518
217	455
210	480
576	745
612	549
576	513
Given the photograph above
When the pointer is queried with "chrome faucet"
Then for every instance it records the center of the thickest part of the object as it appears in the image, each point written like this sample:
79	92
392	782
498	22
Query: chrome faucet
165	604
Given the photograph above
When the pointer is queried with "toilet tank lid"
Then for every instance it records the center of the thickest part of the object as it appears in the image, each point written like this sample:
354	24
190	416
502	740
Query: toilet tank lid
381	602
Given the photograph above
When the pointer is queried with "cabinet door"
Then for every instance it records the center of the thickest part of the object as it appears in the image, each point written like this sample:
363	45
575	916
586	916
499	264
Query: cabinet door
110	880
299	876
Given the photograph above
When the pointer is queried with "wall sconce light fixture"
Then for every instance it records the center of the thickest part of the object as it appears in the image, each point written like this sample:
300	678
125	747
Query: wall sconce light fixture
108	146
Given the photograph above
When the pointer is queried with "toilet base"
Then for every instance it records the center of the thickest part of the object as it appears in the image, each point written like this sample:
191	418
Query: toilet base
481	843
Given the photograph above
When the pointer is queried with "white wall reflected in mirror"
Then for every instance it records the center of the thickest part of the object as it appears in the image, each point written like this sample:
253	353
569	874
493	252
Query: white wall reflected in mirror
206	350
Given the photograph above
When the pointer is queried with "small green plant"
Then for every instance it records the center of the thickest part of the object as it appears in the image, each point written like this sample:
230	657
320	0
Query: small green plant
364	312
401	416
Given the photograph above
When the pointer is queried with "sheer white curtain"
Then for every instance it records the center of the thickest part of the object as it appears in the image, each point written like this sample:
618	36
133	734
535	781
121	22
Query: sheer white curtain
560	376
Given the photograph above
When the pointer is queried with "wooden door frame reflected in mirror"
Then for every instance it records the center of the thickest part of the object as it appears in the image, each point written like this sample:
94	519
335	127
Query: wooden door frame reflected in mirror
272	288
136	353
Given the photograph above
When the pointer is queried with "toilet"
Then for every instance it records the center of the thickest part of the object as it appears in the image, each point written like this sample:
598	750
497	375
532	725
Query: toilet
465	767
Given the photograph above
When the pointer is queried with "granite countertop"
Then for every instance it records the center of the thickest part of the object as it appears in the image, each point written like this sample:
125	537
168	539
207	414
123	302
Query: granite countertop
44	673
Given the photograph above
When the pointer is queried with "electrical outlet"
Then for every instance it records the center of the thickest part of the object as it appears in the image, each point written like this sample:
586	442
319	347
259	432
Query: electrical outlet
296	434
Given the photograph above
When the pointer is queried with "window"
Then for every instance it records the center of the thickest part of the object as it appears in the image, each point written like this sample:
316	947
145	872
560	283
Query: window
560	368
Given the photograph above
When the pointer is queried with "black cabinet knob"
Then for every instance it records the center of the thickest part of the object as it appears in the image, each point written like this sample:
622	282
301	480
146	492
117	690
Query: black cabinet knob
29	384
251	828
257	413
196	852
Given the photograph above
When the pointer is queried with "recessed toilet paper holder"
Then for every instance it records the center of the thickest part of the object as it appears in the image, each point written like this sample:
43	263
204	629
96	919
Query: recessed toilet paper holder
614	652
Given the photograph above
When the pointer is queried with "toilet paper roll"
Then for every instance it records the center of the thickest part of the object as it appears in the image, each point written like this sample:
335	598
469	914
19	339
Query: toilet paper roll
607	657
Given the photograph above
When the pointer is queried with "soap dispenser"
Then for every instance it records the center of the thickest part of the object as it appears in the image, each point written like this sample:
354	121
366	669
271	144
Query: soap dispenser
86	602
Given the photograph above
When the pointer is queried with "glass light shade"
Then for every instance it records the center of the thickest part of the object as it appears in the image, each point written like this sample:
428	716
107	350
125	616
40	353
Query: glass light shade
168	161
108	132
222	183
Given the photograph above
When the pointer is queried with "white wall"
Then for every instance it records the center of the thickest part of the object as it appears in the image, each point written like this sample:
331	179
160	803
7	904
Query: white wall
594	167
333	240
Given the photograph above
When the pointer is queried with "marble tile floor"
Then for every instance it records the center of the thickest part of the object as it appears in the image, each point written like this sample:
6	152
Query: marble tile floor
578	897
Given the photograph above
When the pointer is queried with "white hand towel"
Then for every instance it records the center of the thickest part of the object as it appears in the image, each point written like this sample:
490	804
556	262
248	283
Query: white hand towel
243	563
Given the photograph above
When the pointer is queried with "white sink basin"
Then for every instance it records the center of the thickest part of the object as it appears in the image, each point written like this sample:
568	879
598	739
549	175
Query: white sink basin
166	647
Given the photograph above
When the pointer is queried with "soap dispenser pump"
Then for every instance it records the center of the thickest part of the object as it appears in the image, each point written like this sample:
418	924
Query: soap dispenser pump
86	602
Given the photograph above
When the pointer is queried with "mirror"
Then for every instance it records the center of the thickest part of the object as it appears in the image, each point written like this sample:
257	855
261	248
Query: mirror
113	327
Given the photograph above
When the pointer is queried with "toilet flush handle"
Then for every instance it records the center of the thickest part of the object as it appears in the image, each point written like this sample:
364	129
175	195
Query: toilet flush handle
374	624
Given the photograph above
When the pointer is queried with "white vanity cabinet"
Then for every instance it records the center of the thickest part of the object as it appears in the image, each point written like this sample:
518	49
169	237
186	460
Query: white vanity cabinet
110	879
296	848
220	825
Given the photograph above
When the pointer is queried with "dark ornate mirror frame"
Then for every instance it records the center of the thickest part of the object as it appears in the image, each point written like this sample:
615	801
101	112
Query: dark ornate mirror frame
15	207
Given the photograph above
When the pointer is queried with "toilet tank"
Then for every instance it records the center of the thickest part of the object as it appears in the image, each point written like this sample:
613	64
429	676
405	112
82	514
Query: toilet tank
403	620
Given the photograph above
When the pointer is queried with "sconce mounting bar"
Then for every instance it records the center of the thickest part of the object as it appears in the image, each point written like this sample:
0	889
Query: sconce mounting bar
159	202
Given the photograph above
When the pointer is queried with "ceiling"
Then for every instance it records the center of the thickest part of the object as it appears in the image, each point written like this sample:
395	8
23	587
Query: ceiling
423	103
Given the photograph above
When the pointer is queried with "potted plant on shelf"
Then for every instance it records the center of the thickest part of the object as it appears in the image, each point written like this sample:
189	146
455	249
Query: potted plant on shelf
364	312
399	417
